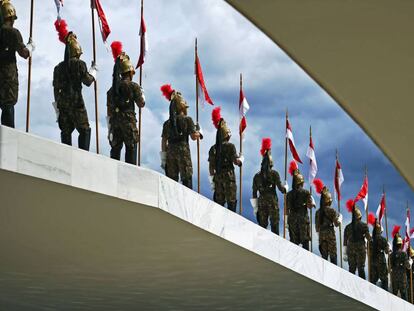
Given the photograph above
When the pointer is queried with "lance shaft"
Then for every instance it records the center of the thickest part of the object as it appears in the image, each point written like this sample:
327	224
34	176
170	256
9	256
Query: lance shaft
198	139
408	253
29	71
310	210
339	211
95	84
386	233
285	194
140	83
241	152
368	248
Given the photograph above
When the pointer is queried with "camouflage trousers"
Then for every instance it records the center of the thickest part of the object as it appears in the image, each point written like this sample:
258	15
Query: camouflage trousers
123	130
178	164
73	118
379	271
268	209
225	189
357	254
399	284
299	229
9	84
327	244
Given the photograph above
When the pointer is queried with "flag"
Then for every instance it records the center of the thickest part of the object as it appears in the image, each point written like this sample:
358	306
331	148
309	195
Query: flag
406	242
103	23
381	209
59	4
363	193
339	179
243	108
201	84
289	136
144	42
313	166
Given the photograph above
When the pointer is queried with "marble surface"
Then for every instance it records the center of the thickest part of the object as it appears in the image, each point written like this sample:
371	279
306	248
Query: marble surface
30	155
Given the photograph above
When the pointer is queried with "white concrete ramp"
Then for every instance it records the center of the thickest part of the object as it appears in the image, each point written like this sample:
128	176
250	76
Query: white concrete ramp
79	231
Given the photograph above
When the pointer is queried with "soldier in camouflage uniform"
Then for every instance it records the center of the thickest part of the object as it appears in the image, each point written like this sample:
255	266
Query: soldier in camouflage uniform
400	262
326	219
299	200
68	77
265	182
378	248
10	42
354	241
222	157
121	100
176	131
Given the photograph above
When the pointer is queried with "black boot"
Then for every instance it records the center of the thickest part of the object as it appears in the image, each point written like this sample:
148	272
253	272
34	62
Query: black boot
131	155
334	260
7	115
361	273
384	284
188	182
232	206
305	245
84	139
66	138
116	153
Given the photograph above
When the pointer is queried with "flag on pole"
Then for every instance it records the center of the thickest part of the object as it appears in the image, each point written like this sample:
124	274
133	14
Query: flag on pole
59	4
313	166
363	193
381	209
406	241
103	23
243	108
201	84
339	179
144	42
289	136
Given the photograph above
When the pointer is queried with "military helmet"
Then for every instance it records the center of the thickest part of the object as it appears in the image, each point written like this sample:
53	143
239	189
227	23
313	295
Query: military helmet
399	241
179	103
126	64
357	212
73	46
224	129
8	10
326	197
298	179
411	252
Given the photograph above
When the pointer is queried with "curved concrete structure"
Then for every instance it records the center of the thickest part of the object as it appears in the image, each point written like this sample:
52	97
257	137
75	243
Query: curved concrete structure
80	231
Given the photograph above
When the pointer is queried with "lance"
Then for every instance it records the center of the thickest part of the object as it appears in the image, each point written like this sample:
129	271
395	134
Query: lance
339	211
310	190
95	84
408	253
140	83
241	152
368	248
198	139
386	232
285	195
29	73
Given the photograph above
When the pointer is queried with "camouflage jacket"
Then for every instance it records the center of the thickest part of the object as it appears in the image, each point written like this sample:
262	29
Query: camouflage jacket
399	265
178	135
358	236
298	201
11	41
328	220
227	157
267	186
379	247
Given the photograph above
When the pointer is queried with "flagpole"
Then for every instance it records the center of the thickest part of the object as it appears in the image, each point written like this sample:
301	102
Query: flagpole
310	190
241	152
386	233
95	82
285	195
198	139
368	250
408	253
140	83
339	211
29	73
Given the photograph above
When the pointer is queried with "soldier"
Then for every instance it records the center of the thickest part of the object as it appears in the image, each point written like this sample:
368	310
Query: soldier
298	202
222	157
10	42
378	248
121	100
175	149
326	218
68	78
265	182
354	241
400	262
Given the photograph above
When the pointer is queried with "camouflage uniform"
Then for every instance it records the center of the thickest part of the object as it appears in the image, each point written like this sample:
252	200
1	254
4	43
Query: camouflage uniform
122	119
178	163
379	270
326	218
10	42
298	201
354	240
224	177
399	265
67	82
268	205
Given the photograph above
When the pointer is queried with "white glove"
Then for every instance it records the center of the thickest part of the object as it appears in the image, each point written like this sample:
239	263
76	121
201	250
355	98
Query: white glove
163	156
54	104
211	180
313	201
142	94
345	254
389	248
199	130
30	46
410	261
241	159
286	224
253	202
340	218
108	123
286	186
93	70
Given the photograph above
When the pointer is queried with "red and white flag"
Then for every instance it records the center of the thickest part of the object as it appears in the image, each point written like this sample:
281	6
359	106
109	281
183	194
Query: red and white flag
381	209
363	193
59	4
339	179
103	23
406	242
292	147
144	42
243	108
202	90
313	166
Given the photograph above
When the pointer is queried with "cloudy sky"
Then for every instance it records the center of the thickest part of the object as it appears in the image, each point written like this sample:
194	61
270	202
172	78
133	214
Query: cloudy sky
228	45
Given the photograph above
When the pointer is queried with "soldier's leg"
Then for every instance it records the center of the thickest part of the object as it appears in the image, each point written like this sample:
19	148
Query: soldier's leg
352	263
84	139
172	168
305	233
188	182
66	127
219	196
323	248
7	115
82	126
186	168
131	154
293	229
9	92
232	206
230	193
333	253
274	219
361	256
384	283
263	216
130	138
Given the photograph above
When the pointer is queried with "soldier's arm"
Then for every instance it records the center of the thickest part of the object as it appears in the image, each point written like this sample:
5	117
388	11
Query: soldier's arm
234	156
108	104
139	97
211	161
193	133
366	233
333	216
255	188
164	138
87	78
56	89
279	183
346	233
20	46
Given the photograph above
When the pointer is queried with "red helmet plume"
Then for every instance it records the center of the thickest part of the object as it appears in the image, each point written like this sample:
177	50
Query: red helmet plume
216	116
318	185
266	145
167	90
116	48
395	230
293	166
350	205
371	219
62	29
